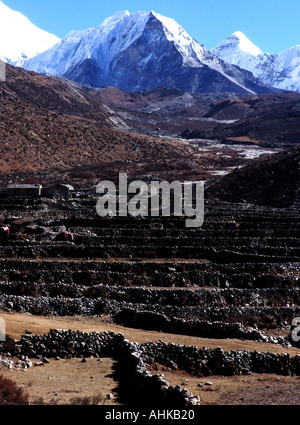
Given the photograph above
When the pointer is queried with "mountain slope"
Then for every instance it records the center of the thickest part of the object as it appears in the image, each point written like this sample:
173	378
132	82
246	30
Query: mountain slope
20	39
48	123
269	119
272	180
275	70
139	51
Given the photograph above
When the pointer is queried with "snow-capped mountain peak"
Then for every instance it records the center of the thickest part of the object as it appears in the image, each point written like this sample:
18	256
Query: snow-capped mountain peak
138	51
20	39
191	51
237	49
173	30
115	35
280	70
113	20
245	44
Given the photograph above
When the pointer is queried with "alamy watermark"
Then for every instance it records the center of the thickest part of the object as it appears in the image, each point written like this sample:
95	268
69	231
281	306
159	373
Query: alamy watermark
2	330
2	71
152	199
295	335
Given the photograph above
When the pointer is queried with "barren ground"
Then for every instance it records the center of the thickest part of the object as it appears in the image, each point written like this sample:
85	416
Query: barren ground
60	381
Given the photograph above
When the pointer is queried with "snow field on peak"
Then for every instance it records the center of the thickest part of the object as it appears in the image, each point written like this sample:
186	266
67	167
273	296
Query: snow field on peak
20	39
246	45
280	70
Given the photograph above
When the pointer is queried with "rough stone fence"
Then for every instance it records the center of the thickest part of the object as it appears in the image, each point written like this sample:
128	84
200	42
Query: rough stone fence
202	327
138	273
136	384
208	361
193	321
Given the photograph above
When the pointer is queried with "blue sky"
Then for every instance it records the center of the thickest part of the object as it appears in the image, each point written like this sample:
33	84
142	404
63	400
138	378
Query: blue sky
273	25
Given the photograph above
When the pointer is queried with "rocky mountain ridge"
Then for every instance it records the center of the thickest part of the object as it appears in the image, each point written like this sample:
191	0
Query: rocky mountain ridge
281	70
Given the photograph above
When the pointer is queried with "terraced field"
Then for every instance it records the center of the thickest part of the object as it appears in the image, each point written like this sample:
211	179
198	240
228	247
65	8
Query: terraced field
236	277
241	266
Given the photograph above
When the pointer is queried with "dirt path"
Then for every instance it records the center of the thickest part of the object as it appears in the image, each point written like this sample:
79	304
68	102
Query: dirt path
16	324
110	260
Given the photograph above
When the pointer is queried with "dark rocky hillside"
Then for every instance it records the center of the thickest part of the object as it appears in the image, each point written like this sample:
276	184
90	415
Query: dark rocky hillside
273	180
269	119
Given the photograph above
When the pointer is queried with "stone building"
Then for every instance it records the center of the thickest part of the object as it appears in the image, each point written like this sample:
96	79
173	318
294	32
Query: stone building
24	190
59	191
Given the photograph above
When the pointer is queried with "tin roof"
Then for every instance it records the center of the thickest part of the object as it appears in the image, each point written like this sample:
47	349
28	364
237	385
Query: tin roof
24	186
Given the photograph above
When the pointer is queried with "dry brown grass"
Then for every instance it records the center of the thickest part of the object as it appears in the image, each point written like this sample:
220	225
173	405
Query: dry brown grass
67	381
254	389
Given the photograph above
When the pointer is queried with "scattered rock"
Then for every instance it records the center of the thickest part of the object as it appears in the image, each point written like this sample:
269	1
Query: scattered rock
40	363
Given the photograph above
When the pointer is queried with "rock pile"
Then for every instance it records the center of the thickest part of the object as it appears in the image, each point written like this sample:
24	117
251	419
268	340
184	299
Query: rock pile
23	363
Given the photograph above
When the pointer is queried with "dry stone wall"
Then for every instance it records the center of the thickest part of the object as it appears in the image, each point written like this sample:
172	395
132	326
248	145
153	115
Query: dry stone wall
236	276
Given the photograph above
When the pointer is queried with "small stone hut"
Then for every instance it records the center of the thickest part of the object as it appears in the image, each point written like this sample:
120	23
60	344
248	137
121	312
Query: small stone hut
59	191
24	190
